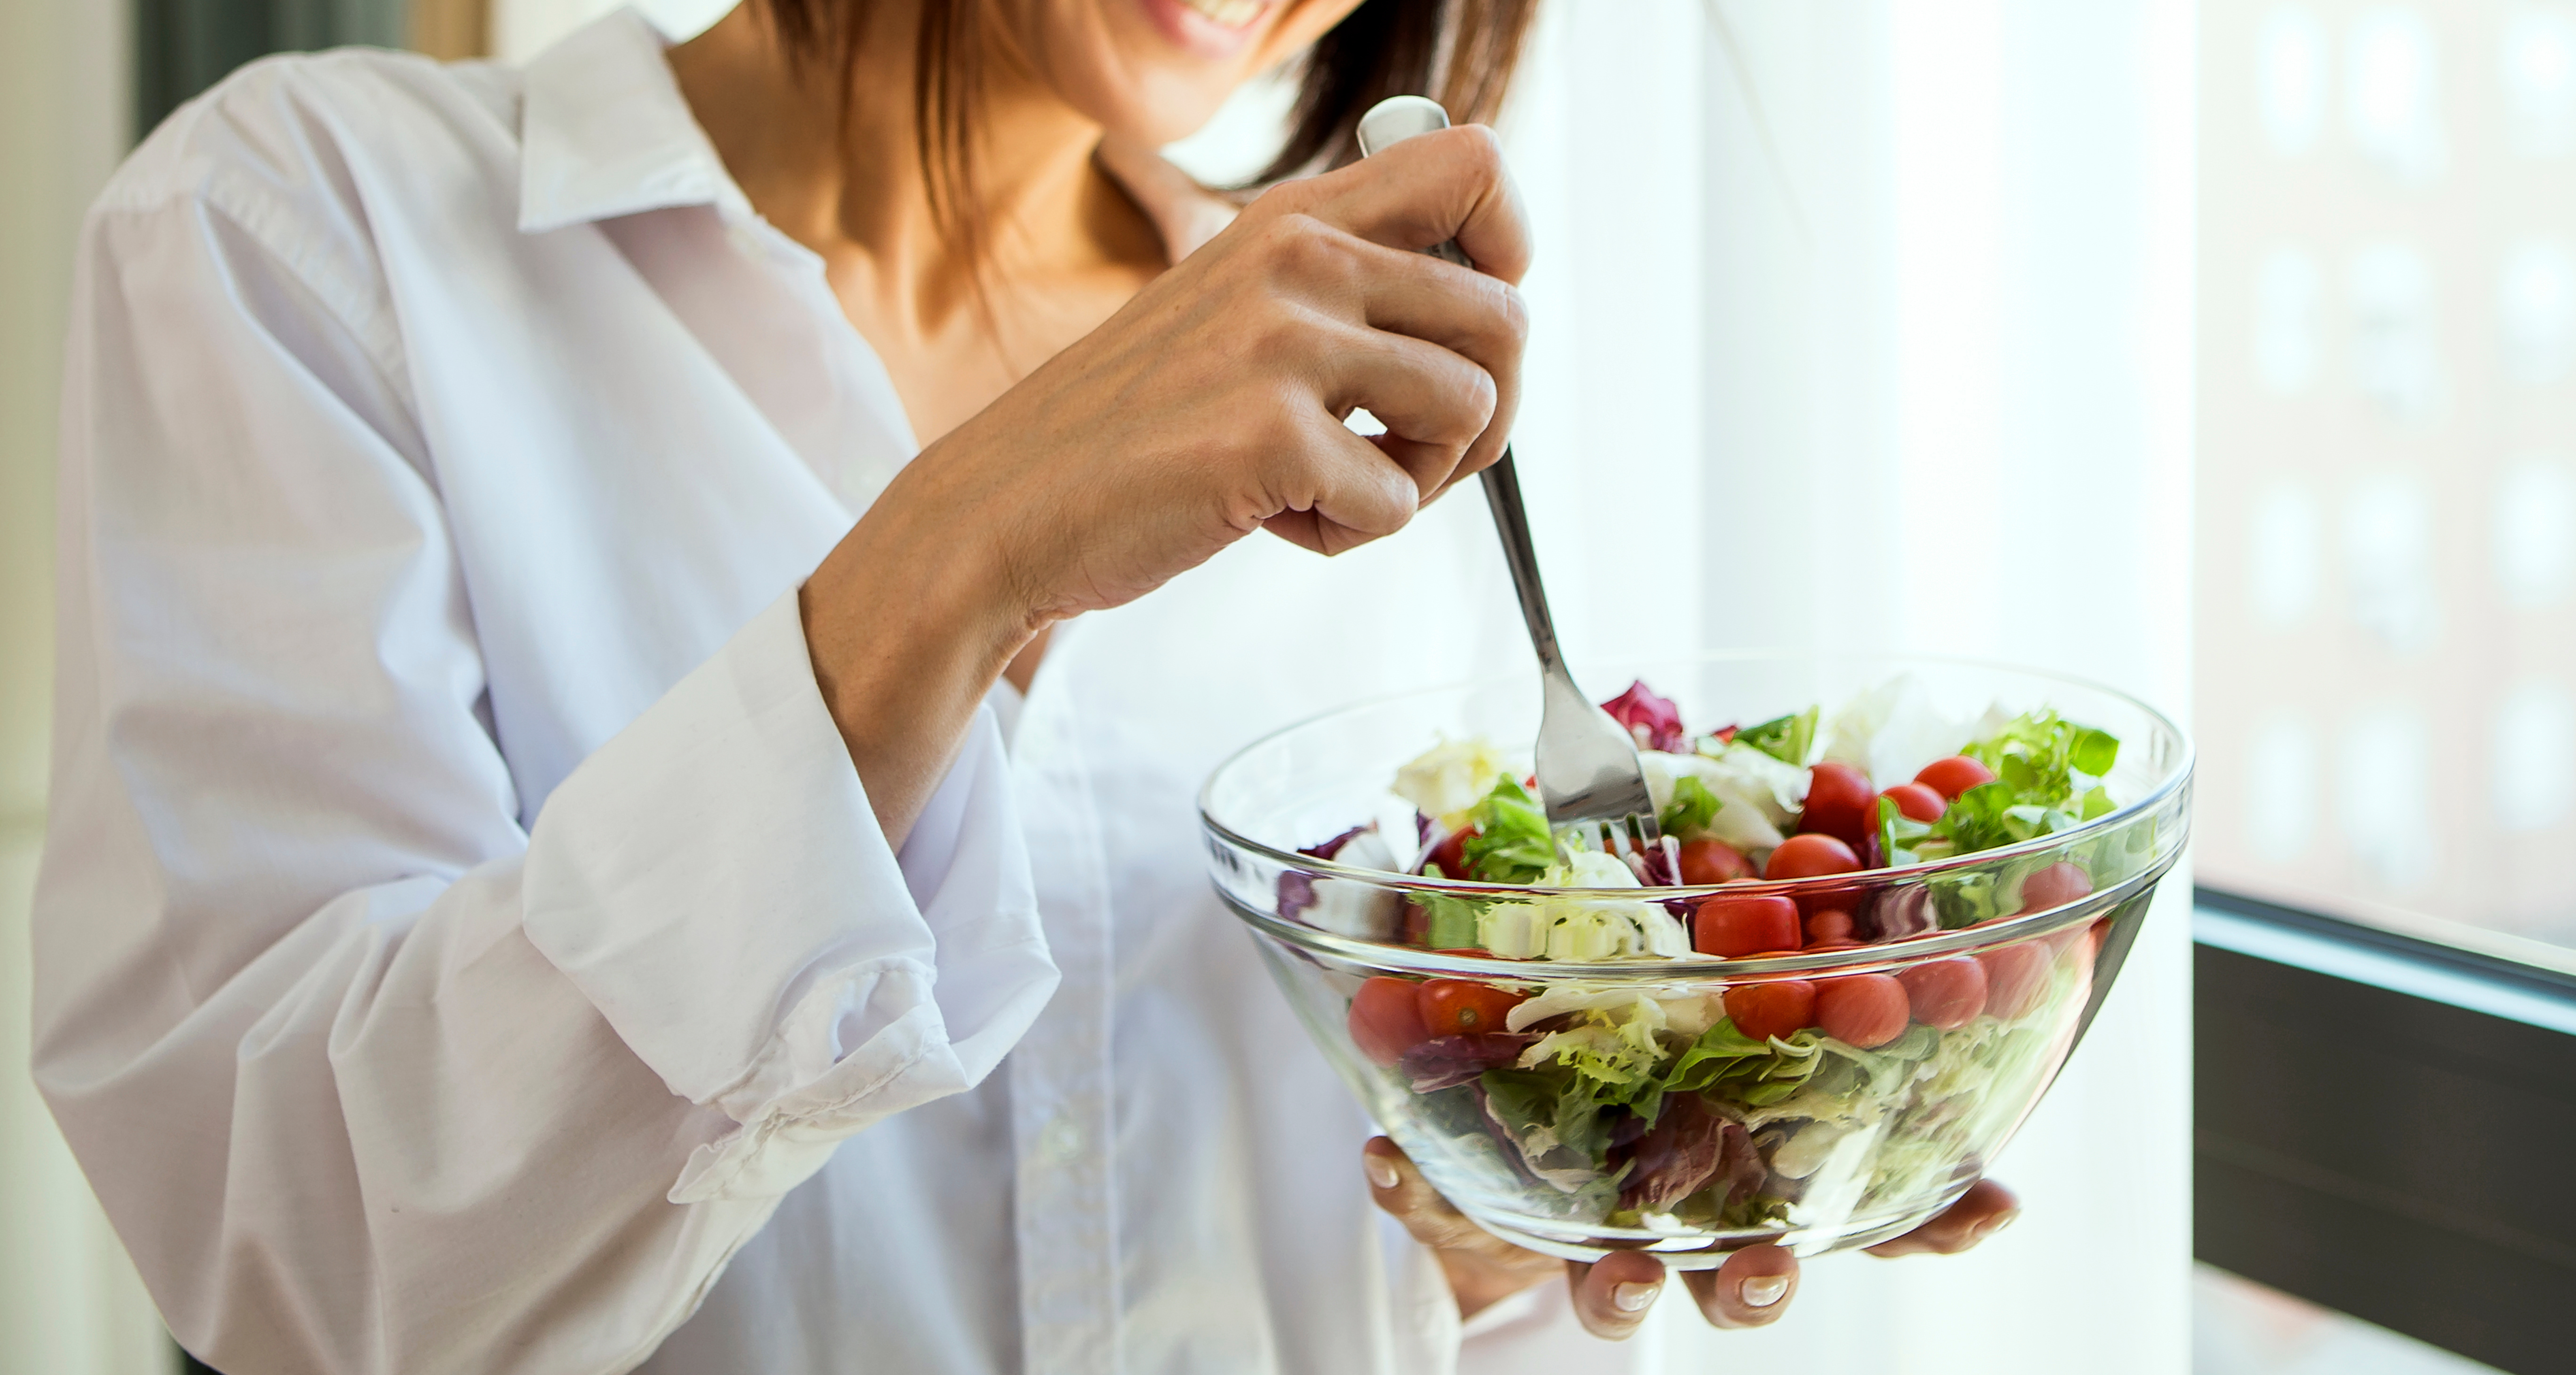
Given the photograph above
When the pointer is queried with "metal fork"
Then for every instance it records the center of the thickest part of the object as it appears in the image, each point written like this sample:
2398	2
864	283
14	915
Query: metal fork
1588	774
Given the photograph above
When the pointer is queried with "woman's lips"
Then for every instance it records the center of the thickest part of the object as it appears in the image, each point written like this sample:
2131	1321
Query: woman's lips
1231	14
1209	28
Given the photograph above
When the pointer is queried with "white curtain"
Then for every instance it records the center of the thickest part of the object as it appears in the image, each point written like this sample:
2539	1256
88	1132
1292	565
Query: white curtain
1885	305
70	1303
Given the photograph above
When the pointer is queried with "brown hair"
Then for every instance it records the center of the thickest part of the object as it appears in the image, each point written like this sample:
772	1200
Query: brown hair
1383	48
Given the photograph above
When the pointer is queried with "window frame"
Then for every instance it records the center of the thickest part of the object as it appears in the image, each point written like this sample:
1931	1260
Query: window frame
2309	1160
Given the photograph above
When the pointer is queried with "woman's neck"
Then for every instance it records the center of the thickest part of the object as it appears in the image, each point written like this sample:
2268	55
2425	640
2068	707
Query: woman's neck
841	174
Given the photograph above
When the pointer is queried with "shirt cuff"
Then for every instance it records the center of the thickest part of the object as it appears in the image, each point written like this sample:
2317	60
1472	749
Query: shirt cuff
715	883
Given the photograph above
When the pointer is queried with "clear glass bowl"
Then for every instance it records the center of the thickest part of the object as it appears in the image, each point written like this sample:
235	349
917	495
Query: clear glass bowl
1812	1143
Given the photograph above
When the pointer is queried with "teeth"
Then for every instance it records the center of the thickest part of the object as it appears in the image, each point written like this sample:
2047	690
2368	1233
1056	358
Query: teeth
1233	14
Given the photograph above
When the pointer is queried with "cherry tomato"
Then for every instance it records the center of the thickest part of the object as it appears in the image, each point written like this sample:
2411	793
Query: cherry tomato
2054	886
1864	1010
1417	924
1451	854
1839	803
2016	978
1831	924
1918	802
1946	994
1811	856
1386	1019
1954	775
1461	1007
1733	924
1713	861
1765	1010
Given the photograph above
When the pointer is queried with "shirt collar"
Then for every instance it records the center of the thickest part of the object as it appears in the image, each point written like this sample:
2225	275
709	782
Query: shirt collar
604	132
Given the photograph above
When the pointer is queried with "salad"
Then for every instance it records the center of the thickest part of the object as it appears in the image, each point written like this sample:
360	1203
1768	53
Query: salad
1758	1103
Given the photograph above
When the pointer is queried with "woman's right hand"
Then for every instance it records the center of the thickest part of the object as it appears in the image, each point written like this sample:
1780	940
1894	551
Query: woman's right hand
1209	407
1213	402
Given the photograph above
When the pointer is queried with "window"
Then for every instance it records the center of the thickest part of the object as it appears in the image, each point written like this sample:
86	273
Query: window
2386	695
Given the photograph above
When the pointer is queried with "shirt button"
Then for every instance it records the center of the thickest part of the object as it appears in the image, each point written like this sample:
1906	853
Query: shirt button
1060	1141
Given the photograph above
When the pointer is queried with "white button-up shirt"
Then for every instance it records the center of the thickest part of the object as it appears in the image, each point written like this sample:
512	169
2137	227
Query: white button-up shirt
463	943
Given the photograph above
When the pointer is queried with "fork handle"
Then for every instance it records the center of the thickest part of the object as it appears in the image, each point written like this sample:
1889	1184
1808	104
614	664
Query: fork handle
1391	121
1511	521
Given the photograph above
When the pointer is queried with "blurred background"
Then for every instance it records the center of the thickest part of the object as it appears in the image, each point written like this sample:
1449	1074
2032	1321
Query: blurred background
2220	351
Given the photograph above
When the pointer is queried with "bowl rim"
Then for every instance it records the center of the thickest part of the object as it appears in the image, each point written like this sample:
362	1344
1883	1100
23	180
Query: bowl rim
2177	780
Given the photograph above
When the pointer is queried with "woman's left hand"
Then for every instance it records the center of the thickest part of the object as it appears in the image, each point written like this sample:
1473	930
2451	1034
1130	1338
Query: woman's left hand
1612	1295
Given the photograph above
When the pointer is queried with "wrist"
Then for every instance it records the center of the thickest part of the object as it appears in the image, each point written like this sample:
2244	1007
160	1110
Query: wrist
1479	1284
908	622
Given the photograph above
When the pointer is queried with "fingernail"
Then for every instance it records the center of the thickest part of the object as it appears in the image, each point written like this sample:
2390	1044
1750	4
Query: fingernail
2004	1219
1381	1171
1633	1296
1762	1291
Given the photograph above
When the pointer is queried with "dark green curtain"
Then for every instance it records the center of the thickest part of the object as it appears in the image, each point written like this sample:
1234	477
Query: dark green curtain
183	46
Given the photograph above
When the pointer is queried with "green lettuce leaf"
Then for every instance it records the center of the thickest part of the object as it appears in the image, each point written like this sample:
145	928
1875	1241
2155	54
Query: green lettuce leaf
1453	920
1512	843
2048	773
1905	840
1787	738
2040	755
1567	1105
1691	811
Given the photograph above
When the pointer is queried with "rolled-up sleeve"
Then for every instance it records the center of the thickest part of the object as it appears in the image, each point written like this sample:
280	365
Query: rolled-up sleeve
369	1075
714	882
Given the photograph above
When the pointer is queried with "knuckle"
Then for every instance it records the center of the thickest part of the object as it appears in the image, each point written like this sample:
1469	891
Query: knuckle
1482	149
1305	248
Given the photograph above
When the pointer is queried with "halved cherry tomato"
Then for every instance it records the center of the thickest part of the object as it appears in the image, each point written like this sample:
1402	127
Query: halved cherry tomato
1945	994
1831	924
1918	802
1451	853
2016	978
2054	886
1462	1007
1733	924
1386	1019
1864	1010
1954	775
1811	856
1839	803
1713	861
1779	1008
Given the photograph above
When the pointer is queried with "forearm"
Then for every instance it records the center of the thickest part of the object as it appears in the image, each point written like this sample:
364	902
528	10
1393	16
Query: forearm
910	620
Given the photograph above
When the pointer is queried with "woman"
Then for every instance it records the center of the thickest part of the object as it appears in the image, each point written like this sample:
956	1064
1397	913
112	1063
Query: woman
535	886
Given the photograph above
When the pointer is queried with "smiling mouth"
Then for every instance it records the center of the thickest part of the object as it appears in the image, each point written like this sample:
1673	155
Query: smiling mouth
1232	14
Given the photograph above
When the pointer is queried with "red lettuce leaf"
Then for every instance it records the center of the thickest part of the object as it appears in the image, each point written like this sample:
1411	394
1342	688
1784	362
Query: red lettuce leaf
1654	720
1297	887
1448	1061
1688	1147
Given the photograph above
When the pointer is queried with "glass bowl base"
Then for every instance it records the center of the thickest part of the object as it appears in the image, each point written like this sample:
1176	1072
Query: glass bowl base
1708	1250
